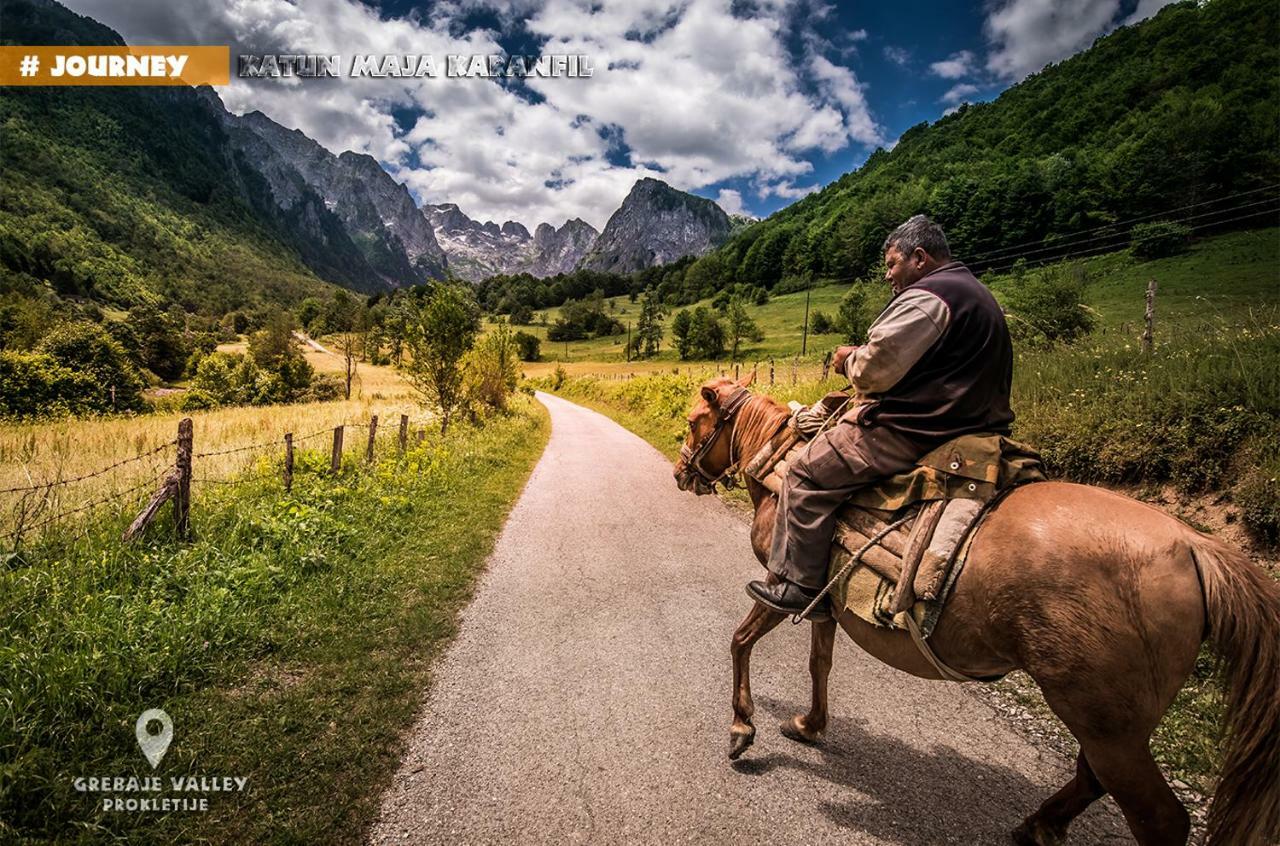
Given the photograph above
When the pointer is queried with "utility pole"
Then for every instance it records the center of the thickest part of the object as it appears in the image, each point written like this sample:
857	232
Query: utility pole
804	344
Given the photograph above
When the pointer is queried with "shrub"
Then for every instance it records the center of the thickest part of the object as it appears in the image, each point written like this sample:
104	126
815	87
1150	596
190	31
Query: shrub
491	369
86	348
820	324
325	387
34	384
529	346
1047	305
1159	239
853	315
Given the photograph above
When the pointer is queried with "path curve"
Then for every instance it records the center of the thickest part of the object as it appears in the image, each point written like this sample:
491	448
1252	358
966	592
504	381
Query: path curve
586	697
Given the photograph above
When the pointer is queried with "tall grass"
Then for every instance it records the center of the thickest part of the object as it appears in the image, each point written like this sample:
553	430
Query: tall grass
289	641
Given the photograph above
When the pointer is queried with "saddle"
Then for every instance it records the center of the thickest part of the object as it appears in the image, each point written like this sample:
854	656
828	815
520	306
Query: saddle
900	544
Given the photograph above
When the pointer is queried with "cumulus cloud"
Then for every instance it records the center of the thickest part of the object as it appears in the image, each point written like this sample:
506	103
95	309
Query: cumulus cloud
731	201
693	92
956	66
959	93
1026	35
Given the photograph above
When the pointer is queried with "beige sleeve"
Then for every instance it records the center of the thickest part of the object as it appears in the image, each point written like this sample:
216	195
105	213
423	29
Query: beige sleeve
897	340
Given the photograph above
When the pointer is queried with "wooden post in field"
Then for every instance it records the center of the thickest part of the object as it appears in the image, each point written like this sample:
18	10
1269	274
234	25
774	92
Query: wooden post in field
373	431
288	461
735	371
335	462
795	363
1148	334
770	370
182	495
804	343
826	365
404	431
420	436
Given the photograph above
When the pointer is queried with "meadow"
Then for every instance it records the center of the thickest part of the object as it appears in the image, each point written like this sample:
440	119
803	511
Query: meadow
289	641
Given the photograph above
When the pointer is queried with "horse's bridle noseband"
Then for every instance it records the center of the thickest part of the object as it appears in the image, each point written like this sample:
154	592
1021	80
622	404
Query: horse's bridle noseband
692	458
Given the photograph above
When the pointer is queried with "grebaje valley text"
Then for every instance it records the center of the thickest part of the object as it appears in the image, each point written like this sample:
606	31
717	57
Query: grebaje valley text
272	65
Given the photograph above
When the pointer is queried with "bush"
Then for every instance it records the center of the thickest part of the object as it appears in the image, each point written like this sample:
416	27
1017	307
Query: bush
33	384
1159	239
820	324
530	346
1047	306
116	385
491	369
325	387
853	315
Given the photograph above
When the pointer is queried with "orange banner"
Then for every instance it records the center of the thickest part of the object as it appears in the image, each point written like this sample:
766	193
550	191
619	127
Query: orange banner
166	65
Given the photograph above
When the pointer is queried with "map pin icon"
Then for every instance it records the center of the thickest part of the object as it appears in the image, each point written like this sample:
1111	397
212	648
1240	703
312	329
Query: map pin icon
154	745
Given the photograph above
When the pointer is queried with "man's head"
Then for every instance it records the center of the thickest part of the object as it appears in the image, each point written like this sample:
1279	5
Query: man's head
913	249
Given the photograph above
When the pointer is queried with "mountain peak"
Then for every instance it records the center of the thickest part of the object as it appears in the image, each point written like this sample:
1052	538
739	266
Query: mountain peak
657	224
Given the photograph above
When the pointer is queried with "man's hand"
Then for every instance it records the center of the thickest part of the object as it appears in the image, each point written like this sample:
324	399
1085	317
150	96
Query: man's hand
841	356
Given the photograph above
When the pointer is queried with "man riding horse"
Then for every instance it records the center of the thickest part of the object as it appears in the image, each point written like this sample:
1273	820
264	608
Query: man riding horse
937	364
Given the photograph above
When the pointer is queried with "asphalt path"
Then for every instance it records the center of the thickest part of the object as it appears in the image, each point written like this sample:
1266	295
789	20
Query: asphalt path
586	697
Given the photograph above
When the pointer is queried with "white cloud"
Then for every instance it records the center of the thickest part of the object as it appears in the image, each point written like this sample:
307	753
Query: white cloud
959	93
900	56
696	94
956	66
731	201
1026	35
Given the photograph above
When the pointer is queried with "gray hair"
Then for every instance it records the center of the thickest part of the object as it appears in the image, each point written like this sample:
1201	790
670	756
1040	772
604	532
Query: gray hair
920	232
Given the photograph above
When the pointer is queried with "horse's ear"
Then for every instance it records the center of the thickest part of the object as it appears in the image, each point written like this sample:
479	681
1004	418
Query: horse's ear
709	394
746	381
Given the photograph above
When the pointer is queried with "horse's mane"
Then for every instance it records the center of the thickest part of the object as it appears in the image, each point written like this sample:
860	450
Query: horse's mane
758	421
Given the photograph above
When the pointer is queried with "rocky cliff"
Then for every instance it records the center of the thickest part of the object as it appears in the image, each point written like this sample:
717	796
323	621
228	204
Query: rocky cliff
477	250
657	224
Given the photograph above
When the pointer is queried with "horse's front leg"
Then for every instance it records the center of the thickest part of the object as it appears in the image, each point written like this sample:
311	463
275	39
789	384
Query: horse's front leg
808	728
758	622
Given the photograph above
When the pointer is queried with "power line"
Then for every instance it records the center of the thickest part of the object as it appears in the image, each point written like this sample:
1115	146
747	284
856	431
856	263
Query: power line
1138	219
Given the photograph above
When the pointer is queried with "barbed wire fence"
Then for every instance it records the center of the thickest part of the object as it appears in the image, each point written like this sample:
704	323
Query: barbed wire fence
171	479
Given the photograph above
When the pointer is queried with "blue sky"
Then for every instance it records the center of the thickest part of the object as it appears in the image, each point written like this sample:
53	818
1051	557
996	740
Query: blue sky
752	103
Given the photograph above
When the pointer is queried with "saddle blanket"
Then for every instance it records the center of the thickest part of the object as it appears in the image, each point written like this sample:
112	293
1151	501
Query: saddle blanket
914	529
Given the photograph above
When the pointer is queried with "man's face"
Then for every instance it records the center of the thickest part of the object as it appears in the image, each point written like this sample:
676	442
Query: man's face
902	270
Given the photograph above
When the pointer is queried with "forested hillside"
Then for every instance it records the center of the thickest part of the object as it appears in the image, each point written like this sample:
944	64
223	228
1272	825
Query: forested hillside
1162	119
134	195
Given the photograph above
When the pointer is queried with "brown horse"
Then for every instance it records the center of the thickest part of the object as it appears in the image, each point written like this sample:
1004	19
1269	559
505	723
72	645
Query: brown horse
1101	599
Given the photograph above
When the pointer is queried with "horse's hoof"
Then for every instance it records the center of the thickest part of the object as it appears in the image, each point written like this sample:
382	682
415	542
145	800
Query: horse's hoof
1030	833
791	730
738	744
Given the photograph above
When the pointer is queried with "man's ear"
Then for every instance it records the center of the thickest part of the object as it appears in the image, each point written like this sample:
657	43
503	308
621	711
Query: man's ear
709	395
746	381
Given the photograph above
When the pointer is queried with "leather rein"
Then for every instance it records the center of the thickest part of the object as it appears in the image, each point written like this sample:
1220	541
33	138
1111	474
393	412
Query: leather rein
692	457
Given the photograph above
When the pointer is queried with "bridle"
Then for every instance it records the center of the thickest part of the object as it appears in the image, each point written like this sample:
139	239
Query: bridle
692	457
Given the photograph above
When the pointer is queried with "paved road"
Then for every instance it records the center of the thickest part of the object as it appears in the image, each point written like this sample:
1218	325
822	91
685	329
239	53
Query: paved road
586	697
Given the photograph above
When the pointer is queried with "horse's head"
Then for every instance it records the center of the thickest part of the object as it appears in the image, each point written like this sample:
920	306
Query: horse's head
706	455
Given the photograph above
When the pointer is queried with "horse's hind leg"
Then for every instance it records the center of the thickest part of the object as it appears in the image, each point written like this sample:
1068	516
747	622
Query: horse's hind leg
1049	824
759	622
808	728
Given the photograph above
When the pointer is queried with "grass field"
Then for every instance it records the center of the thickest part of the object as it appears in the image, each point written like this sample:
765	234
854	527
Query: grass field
1220	279
290	642
38	452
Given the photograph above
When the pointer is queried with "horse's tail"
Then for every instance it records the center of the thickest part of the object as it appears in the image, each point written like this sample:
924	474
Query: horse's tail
1243	605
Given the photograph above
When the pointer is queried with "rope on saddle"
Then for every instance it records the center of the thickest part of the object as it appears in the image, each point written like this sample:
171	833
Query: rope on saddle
797	619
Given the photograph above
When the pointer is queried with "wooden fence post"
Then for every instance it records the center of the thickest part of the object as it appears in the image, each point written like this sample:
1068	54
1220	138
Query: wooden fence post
288	462
404	431
735	371
795	362
420	436
826	365
373	431
1148	334
770	370
182	496
335	462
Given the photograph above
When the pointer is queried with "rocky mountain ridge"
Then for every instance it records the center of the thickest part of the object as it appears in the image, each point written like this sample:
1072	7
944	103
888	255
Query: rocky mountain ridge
657	224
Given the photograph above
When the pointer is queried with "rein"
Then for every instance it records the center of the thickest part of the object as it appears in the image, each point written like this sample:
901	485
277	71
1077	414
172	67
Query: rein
693	457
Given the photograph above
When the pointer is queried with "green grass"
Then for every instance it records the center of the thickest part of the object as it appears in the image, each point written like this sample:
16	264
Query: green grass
290	642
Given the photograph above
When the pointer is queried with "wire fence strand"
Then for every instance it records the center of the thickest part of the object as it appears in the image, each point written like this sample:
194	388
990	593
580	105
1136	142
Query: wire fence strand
59	482
88	505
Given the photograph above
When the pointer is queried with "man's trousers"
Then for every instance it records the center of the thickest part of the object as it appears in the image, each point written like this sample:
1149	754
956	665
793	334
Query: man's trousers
834	464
